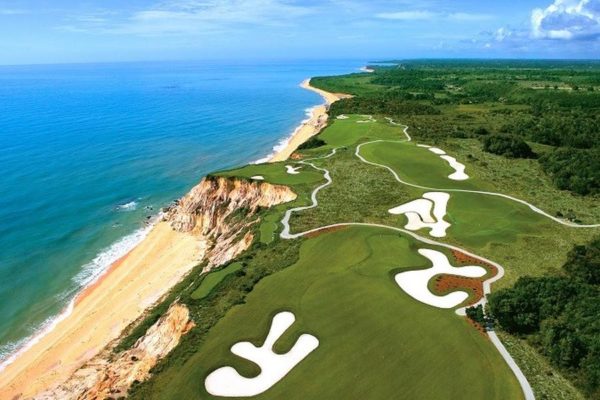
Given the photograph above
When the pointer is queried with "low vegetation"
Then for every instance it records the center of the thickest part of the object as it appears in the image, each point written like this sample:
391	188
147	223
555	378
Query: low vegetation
540	102
558	314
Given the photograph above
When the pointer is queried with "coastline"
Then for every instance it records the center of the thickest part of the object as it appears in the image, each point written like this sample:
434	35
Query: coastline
134	282
310	127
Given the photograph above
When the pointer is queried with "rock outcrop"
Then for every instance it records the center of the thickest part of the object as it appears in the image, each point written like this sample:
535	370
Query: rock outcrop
101	379
221	209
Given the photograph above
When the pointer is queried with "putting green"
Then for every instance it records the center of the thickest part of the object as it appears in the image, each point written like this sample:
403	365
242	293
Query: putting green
276	173
212	279
376	342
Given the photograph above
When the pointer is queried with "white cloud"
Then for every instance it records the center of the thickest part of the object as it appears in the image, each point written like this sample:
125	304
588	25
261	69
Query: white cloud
430	15
567	19
184	17
12	11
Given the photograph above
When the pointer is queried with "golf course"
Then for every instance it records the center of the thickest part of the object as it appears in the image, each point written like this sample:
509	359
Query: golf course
344	289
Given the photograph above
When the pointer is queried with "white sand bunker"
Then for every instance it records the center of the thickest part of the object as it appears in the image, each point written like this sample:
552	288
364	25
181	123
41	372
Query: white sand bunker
419	213
342	116
415	283
459	168
437	151
292	170
258	177
227	382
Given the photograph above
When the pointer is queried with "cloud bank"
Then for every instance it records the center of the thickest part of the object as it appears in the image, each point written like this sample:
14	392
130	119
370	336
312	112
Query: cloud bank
567	20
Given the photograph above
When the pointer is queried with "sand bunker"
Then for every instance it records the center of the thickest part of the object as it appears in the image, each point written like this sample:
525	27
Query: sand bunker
459	169
436	150
227	382
342	116
258	177
419	213
415	283
292	170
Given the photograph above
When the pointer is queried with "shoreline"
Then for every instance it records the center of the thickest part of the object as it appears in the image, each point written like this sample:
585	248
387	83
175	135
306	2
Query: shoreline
309	127
135	281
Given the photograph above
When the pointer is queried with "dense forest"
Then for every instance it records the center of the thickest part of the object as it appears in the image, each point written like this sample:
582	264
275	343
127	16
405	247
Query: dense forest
516	103
558	314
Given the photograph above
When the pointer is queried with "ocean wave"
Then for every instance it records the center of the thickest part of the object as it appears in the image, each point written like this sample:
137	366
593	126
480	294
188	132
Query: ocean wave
89	274
286	140
130	206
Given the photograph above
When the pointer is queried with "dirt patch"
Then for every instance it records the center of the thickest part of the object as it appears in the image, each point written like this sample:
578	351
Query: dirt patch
296	156
445	284
463	259
477	326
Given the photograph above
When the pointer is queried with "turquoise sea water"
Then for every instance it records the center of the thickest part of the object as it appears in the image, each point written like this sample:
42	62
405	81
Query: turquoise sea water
89	152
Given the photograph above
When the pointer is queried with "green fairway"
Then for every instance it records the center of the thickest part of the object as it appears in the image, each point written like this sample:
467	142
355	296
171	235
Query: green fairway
268	227
376	342
276	173
213	279
346	132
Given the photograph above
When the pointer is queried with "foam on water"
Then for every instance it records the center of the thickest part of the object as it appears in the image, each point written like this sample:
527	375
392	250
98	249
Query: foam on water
89	274
286	140
130	206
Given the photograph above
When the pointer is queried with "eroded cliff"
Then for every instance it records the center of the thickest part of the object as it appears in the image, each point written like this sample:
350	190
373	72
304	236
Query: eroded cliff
219	212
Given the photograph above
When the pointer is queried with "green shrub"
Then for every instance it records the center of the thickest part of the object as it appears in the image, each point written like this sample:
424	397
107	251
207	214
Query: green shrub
507	146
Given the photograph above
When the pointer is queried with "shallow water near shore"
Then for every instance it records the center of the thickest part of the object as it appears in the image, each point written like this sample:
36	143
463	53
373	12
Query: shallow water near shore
89	152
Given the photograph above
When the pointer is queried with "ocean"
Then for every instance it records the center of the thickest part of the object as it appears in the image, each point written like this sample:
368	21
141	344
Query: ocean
90	152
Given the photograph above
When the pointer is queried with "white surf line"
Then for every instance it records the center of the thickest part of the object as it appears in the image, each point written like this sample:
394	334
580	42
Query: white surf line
531	206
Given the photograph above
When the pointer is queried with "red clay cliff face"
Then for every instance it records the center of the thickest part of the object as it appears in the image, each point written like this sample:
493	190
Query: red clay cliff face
101	379
220	210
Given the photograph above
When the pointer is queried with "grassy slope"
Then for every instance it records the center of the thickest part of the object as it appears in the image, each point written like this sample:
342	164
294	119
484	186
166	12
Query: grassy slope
375	342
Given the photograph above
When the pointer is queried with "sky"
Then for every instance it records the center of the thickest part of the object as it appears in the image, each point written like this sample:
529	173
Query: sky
68	31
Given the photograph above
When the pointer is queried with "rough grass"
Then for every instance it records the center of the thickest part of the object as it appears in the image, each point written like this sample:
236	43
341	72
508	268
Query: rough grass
375	342
547	383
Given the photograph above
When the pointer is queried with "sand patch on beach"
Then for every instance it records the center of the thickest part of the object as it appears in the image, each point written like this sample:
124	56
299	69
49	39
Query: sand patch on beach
102	311
312	126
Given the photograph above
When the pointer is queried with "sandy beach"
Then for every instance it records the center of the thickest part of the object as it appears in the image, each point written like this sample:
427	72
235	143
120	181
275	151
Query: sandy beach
310	127
123	293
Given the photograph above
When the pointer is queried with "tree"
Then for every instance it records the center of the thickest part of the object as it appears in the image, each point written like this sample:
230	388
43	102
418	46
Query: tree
507	146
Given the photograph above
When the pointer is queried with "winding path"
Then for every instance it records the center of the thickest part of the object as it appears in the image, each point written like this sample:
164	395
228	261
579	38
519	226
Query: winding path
397	177
286	234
